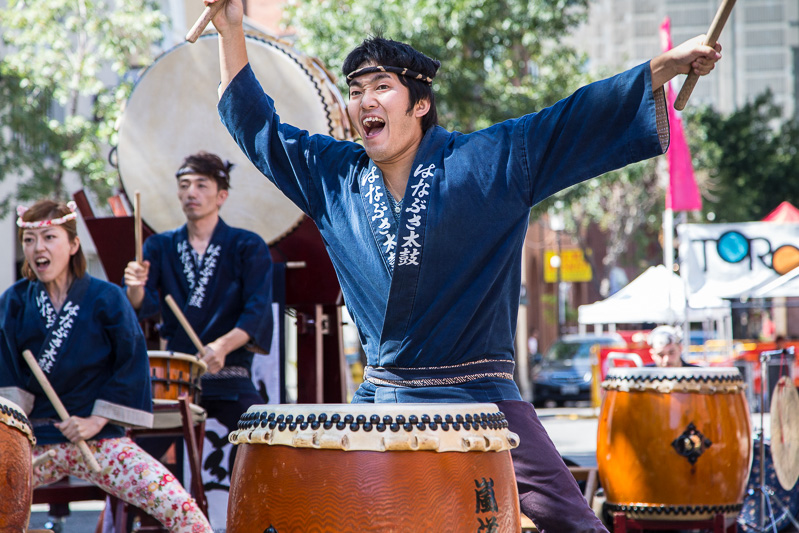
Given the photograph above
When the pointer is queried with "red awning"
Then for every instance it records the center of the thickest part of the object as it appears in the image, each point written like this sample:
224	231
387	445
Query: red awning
785	212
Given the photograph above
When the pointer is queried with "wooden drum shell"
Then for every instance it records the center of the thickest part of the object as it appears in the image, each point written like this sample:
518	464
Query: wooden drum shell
314	489
295	489
174	375
16	489
639	434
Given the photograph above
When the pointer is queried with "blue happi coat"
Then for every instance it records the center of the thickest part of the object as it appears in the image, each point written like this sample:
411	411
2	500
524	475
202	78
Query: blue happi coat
92	351
229	287
442	287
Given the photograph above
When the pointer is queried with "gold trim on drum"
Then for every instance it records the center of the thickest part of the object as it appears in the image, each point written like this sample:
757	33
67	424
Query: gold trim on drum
674	512
692	380
11	415
370	427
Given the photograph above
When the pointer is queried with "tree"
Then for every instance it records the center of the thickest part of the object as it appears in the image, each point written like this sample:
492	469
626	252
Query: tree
626	205
500	59
750	157
57	112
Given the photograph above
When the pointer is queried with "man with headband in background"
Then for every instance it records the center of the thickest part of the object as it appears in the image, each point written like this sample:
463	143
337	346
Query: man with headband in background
425	227
221	278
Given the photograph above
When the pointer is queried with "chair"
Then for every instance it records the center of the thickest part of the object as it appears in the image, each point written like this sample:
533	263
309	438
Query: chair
172	419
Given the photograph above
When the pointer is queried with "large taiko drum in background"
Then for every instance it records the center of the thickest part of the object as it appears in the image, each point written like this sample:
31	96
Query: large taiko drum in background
373	467
172	112
174	375
674	443
16	490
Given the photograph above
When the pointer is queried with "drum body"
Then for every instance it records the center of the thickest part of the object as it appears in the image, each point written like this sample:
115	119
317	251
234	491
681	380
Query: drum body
172	113
174	375
16	490
373	467
674	442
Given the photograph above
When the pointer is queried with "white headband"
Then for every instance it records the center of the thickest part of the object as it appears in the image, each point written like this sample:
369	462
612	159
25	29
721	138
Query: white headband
72	215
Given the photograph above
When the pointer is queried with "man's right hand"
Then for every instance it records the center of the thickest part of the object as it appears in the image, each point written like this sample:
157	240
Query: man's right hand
135	280
229	17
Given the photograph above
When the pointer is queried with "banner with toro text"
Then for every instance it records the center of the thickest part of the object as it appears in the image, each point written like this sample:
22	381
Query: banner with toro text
741	260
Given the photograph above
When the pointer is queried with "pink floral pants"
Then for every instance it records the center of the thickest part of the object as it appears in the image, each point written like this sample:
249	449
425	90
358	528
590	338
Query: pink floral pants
130	474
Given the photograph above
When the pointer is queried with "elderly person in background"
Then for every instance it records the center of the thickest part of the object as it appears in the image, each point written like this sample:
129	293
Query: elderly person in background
666	347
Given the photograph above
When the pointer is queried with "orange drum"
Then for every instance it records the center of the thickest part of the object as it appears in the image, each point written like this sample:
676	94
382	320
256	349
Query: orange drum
174	375
16	490
373	467
674	443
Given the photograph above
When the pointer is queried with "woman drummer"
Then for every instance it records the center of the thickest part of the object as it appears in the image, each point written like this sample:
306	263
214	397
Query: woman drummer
87	341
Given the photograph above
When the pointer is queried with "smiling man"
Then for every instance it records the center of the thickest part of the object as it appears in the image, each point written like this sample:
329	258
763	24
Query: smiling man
425	227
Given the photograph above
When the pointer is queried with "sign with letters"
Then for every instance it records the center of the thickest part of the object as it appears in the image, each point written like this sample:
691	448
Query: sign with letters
742	260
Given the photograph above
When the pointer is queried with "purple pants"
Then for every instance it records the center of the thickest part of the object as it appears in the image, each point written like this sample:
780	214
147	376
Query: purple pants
548	493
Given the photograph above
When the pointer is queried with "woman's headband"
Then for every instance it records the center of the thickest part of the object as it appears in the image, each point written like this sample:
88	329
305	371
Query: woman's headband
396	70
72	215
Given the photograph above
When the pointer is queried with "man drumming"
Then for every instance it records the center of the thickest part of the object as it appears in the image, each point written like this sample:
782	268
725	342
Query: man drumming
221	277
425	227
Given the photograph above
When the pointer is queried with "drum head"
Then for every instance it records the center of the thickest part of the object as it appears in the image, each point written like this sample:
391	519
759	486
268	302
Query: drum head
785	432
172	113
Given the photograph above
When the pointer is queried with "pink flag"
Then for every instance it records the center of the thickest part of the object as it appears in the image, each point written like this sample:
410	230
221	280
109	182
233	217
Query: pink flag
682	194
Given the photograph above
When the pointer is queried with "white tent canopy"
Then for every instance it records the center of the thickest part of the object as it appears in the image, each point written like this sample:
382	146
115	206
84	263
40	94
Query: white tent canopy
656	296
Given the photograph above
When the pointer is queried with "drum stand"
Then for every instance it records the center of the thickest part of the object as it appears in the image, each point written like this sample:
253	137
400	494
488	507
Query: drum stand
767	496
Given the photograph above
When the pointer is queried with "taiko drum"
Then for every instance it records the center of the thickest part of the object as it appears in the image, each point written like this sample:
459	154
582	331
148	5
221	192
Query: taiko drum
399	467
16	492
174	375
674	442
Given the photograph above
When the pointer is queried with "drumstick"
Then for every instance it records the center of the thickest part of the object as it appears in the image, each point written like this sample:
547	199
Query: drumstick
59	407
208	13
137	225
185	323
43	458
712	36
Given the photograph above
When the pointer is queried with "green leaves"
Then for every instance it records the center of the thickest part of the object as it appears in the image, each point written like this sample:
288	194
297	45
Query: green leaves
500	59
750	158
60	88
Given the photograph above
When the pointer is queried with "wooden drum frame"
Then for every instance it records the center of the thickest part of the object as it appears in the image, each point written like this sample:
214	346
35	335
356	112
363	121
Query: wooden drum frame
175	374
674	443
16	488
373	467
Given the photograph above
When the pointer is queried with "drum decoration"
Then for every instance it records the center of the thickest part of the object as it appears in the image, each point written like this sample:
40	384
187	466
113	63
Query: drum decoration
16	489
174	375
785	432
373	467
172	112
674	443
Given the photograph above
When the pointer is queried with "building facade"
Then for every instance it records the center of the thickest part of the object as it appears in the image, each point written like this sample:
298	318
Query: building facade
760	45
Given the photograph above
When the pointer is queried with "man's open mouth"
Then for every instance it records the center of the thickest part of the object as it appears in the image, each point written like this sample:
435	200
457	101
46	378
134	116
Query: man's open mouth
372	126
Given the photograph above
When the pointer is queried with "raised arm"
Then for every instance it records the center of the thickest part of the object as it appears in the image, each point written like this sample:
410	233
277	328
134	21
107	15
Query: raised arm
693	54
232	47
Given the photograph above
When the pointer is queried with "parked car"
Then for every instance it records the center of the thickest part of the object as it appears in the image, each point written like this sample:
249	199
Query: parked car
564	372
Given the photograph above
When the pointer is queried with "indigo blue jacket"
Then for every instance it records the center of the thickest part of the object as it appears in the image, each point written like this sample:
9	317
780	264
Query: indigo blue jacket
442	287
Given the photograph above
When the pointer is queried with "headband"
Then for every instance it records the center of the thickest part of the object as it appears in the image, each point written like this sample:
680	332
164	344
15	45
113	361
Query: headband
219	174
72	215
396	70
